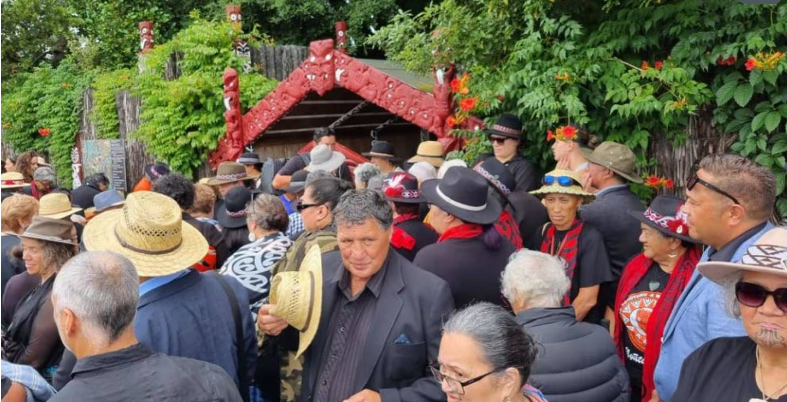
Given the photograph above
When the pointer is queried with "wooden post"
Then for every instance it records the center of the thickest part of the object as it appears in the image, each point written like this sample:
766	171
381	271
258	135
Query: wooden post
341	36
234	15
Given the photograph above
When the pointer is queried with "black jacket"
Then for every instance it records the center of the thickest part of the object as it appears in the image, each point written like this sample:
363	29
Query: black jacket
212	235
82	196
421	232
525	173
136	373
529	212
577	361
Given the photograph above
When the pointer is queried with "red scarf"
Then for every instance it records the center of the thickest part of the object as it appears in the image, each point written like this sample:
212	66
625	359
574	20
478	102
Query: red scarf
508	228
463	231
679	278
568	250
399	238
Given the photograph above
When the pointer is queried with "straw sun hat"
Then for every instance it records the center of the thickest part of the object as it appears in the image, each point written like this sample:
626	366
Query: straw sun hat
56	206
149	231
13	180
573	185
297	296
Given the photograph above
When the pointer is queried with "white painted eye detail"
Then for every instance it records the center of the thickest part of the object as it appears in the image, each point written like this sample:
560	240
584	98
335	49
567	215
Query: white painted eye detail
328	57
233	17
312	58
144	30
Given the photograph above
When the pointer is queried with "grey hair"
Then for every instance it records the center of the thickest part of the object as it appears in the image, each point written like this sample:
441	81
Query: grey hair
731	304
102	289
268	213
317	174
538	279
753	185
357	206
504	343
376	183
364	172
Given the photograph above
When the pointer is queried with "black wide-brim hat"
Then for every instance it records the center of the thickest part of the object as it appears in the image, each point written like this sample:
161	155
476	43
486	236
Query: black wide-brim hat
232	212
498	176
382	150
664	215
463	194
402	187
506	125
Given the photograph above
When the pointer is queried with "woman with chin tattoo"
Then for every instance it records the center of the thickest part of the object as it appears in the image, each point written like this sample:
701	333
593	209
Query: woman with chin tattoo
751	368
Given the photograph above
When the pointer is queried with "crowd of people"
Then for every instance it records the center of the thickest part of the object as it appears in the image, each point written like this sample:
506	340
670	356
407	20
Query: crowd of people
418	279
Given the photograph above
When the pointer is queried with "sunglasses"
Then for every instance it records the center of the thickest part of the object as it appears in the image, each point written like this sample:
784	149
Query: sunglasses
498	140
694	180
753	295
562	181
302	207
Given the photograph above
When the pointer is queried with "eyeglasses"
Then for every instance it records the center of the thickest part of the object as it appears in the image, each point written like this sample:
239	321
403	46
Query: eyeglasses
455	385
753	295
498	140
694	179
301	207
562	181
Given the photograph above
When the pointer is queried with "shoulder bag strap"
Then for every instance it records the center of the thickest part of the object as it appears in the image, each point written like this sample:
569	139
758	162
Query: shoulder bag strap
243	375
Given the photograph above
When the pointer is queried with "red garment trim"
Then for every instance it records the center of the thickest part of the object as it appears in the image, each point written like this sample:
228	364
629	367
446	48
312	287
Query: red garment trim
463	231
507	226
404	218
568	250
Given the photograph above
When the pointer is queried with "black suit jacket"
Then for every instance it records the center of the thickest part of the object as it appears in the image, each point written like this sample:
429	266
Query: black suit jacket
412	302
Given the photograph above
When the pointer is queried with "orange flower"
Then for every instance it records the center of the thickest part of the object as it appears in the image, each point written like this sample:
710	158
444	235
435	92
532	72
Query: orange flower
668	183
750	64
467	104
43	131
653	181
456	85
569	132
645	65
659	64
562	77
550	135
450	121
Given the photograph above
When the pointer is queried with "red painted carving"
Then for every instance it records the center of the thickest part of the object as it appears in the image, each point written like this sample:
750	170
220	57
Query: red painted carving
232	113
145	36
341	37
233	14
318	66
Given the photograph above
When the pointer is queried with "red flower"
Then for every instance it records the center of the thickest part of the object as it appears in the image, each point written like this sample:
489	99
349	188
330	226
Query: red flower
401	239
43	131
645	65
501	98
467	104
456	85
678	226
750	64
569	132
668	183
653	181
451	121
550	135
659	64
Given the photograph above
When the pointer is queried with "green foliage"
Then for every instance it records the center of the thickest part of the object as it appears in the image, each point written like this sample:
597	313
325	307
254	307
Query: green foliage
105	88
182	119
47	99
585	63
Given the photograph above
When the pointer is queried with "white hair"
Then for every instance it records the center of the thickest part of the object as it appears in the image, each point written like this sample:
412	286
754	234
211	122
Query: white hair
423	171
364	172
537	279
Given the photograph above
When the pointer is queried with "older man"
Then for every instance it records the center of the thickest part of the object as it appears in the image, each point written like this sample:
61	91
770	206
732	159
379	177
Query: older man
381	315
95	300
729	201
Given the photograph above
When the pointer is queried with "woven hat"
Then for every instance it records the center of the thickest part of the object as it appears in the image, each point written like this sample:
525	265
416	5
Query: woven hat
44	173
383	150
664	215
431	152
555	188
767	255
50	229
107	199
250	158
507	125
13	180
149	231
402	187
463	194
56	206
297	182
297	296
498	176
229	172
232	212
616	157
323	158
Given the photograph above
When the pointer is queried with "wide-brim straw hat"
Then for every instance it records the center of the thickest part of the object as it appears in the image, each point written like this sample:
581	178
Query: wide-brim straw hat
663	214
229	172
556	188
150	232
768	255
297	296
323	158
56	206
615	157
430	152
13	180
51	230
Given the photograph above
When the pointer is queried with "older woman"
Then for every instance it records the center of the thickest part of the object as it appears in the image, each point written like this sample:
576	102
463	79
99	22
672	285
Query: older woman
252	264
576	361
754	367
364	172
32	336
578	244
17	213
485	356
650	285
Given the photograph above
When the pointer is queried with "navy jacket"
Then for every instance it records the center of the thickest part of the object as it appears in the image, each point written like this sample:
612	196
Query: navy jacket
577	361
189	317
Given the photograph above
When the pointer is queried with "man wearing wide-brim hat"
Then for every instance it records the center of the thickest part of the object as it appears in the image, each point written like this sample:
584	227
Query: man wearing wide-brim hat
384	156
195	308
431	152
410	233
322	157
463	215
253	164
506	138
612	167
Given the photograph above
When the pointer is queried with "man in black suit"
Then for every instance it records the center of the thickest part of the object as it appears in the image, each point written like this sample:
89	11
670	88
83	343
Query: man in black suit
381	315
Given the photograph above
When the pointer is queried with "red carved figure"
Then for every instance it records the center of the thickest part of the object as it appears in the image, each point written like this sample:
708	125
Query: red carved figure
233	15
341	37
319	66
145	36
232	114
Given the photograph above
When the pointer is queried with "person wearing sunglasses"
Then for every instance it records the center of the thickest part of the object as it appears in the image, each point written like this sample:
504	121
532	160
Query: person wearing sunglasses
576	242
505	135
728	206
751	367
486	356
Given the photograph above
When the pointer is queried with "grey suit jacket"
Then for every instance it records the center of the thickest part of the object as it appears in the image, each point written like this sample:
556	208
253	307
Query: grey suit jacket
412	302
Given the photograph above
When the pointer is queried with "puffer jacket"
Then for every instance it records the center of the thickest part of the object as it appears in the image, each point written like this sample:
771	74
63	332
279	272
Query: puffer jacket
576	360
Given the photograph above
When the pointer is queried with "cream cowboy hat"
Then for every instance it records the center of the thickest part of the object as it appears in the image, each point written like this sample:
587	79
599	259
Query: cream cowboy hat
767	255
431	152
297	296
562	182
229	172
13	180
56	206
149	231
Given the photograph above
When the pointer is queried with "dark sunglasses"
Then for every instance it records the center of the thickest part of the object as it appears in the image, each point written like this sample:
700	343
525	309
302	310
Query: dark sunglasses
753	295
694	179
562	181
301	207
498	140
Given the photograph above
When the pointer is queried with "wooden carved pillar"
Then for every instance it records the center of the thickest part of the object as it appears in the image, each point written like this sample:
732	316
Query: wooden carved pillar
240	47
146	42
233	115
341	36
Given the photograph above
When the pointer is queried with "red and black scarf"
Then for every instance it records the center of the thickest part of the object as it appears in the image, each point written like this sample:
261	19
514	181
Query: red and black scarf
507	226
567	250
399	238
463	231
679	278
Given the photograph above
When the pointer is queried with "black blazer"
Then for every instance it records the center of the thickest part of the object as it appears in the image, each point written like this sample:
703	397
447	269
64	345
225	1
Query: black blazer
412	302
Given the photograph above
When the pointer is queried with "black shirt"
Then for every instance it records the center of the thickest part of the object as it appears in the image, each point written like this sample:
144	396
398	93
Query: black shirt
136	373
728	250
526	176
10	266
721	370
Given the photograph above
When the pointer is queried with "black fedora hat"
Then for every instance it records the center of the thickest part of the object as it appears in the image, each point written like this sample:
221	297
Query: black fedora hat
498	176
506	125
402	187
463	194
297	182
382	149
232	212
250	158
664	215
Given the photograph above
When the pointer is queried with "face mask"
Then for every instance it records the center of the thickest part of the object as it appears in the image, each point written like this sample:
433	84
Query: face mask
252	238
